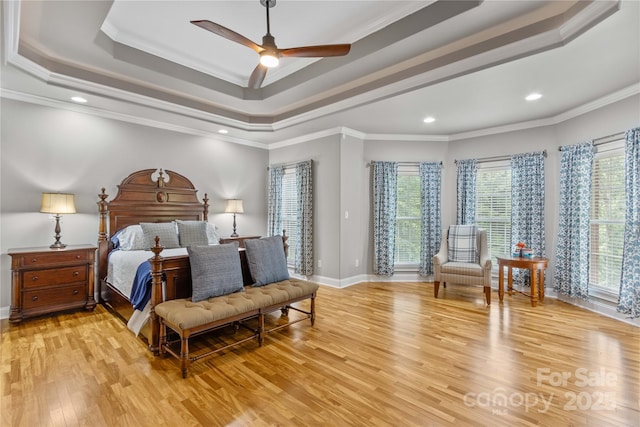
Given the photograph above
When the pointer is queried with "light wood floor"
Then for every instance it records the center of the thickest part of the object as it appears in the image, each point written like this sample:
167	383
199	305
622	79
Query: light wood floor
380	354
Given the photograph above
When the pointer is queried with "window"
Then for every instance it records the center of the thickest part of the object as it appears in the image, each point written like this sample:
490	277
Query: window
493	207
407	239
607	221
290	212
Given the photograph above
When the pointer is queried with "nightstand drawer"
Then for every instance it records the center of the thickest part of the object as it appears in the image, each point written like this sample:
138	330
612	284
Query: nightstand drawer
52	258
54	276
45	280
52	297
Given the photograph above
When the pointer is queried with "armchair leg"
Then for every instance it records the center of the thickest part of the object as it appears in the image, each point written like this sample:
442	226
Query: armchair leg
436	288
487	293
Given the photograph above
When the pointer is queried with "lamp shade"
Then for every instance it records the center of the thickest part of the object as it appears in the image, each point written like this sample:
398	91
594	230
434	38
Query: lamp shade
58	203
234	206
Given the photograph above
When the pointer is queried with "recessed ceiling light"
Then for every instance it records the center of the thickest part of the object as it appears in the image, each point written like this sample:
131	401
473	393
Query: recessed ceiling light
223	131
429	120
78	99
533	96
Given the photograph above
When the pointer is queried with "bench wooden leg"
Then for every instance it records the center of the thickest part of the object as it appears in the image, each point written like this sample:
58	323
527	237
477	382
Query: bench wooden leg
487	293
163	339
184	356
260	328
436	288
313	309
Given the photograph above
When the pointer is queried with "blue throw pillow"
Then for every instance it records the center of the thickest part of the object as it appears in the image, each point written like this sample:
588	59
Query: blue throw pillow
215	271
266	260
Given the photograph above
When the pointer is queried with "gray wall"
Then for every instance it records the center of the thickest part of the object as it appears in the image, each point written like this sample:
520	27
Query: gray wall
49	149
325	153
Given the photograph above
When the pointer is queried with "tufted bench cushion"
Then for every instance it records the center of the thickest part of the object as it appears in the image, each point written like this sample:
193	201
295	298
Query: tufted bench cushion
186	314
280	292
186	317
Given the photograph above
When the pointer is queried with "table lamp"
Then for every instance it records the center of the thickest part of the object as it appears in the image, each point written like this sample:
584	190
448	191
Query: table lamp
58	203
234	206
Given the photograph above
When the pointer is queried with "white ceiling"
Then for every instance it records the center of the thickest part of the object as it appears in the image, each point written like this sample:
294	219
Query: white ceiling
467	63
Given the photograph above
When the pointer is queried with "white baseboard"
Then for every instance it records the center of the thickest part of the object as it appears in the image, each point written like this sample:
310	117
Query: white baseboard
599	306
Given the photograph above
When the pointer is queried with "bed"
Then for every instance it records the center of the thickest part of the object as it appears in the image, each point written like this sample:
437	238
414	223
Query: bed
148	196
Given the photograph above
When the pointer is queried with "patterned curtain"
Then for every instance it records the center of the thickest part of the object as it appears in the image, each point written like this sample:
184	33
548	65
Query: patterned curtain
467	172
430	230
274	214
629	299
527	206
304	245
385	198
571	276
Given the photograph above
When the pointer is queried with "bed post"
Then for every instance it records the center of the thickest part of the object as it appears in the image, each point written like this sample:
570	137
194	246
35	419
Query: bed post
103	242
205	208
156	295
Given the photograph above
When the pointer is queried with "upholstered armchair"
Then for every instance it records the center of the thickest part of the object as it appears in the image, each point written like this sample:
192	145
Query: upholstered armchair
462	260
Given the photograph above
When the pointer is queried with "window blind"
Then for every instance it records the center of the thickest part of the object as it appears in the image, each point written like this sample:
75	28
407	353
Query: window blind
493	208
607	220
290	212
407	239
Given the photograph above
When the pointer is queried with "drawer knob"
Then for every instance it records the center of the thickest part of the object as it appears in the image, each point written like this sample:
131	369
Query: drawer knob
34	278
34	260
76	292
75	273
34	298
77	256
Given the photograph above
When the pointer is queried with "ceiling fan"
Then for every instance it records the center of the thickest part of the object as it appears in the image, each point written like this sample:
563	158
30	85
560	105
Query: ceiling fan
269	52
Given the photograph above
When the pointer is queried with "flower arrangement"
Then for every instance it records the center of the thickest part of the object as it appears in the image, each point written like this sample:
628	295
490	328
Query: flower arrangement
521	250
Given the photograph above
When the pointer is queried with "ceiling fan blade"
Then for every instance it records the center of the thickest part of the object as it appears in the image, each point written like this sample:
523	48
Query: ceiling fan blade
257	77
227	34
314	51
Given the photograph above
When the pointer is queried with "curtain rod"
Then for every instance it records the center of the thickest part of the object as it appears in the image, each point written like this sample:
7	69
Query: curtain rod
605	139
409	163
499	158
288	165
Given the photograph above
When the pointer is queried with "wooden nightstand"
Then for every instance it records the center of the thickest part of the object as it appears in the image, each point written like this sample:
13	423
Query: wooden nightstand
239	239
47	280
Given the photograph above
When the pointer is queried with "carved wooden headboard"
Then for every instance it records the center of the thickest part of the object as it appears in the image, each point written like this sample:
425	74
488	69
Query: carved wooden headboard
143	198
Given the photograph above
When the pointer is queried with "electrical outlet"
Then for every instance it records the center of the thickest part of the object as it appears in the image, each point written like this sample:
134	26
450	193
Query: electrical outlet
319	263
357	263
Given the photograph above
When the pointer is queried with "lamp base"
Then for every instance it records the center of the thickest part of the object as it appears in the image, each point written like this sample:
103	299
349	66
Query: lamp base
57	244
234	234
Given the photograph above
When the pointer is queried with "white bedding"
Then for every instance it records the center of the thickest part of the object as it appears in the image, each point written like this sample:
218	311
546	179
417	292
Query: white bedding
124	264
121	271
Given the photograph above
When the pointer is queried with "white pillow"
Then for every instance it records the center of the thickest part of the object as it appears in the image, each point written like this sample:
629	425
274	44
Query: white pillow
212	234
131	238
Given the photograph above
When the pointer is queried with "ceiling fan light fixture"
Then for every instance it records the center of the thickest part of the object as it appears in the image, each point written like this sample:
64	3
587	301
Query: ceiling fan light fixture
269	59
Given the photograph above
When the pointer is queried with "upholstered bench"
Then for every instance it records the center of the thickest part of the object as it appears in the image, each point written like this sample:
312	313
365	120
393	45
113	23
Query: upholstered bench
189	318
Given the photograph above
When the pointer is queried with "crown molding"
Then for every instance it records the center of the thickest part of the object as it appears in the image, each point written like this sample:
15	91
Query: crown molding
554	120
84	109
407	137
342	130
